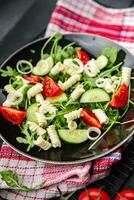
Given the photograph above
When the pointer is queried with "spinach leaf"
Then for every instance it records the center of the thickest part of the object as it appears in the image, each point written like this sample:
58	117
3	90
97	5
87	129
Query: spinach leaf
110	53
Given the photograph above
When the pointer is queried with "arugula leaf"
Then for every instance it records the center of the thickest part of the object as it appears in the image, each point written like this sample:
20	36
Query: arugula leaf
29	137
12	180
89	82
67	197
9	71
21	140
109	72
17	83
110	53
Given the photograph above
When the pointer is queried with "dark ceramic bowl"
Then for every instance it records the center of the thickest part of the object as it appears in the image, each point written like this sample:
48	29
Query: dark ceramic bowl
116	137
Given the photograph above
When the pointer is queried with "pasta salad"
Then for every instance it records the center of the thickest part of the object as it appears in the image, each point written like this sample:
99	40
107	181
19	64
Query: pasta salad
67	96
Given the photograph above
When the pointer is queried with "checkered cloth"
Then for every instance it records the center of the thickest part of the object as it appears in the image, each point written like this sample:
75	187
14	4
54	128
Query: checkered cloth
70	16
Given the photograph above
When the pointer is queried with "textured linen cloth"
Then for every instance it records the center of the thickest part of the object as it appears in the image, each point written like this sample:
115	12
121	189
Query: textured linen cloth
70	16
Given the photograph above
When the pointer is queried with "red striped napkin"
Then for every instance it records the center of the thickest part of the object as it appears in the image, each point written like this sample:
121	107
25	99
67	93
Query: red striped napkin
70	16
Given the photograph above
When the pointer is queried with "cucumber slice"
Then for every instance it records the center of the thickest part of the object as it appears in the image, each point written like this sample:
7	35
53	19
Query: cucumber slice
102	61
43	66
94	95
73	136
30	114
60	98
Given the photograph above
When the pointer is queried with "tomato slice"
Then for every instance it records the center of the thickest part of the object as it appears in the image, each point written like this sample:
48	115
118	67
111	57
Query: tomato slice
33	79
50	88
13	115
90	118
127	194
120	98
83	56
94	194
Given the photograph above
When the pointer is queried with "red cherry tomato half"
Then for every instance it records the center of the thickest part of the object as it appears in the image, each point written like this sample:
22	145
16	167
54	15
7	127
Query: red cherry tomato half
13	115
127	194
83	56
50	88
33	79
120	98
94	194
90	118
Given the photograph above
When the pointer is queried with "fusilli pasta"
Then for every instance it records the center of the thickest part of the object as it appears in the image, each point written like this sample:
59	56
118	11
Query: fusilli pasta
54	136
73	115
79	90
59	67
47	107
9	88
34	90
72	125
41	119
34	127
13	99
71	68
126	75
101	116
71	81
39	98
42	143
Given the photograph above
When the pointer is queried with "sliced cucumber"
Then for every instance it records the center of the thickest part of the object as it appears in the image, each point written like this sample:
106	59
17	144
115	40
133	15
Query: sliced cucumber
30	115
94	95
60	98
73	136
102	61
43	66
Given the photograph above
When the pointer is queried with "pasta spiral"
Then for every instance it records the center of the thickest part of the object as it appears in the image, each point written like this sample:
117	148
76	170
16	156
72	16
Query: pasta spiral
34	90
13	99
126	75
72	125
73	115
71	68
47	107
59	67
79	90
34	127
101	116
54	136
39	98
71	81
9	88
42	143
41	119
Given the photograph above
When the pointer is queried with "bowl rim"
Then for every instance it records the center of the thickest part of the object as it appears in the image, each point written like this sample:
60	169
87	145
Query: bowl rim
83	160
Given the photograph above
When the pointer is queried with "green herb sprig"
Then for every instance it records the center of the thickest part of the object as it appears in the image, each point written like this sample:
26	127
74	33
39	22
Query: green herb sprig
8	72
12	180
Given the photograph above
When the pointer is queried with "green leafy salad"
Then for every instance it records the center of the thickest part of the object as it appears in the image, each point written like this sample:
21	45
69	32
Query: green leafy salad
68	96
